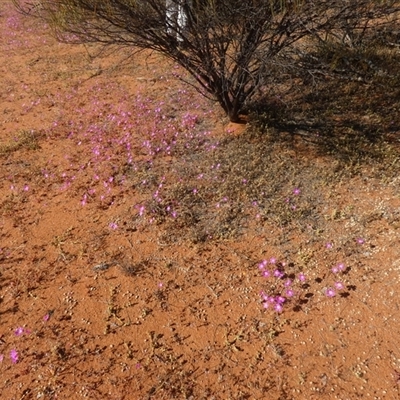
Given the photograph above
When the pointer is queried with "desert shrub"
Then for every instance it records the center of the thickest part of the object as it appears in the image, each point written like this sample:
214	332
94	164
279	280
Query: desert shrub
231	48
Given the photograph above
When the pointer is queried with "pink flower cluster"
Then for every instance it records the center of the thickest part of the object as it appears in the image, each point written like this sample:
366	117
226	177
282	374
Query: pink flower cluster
21	331
338	286
13	356
286	288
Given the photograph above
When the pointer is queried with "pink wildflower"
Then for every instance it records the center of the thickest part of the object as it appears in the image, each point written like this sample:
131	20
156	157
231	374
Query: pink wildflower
302	277
280	299
278	307
113	225
289	293
20	331
14	356
288	282
278	274
266	274
330	292
339	285
263	295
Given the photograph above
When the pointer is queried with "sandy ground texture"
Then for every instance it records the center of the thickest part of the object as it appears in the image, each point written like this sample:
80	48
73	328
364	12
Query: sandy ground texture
125	272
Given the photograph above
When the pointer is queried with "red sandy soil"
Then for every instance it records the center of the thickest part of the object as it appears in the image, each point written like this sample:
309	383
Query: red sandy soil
100	300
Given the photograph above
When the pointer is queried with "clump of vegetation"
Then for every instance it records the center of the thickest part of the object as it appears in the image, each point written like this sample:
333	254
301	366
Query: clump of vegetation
26	139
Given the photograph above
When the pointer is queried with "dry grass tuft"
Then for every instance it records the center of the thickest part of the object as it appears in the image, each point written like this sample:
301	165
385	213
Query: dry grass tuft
24	139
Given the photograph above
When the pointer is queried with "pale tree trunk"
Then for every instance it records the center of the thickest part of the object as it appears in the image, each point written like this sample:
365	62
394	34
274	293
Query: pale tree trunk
176	17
